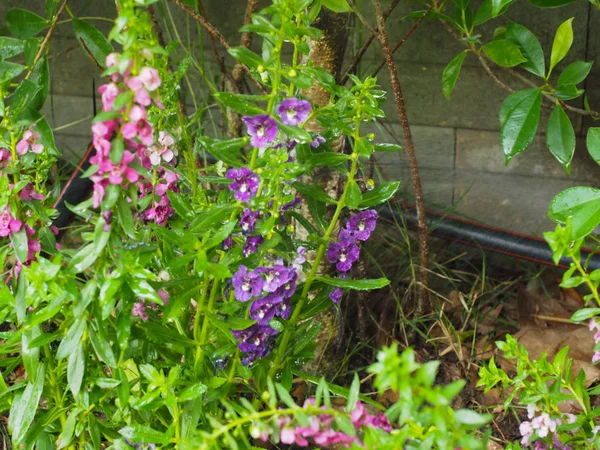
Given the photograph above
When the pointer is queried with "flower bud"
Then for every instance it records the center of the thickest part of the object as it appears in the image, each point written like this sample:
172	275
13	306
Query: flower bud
292	73
290	228
265	396
371	136
354	155
370	184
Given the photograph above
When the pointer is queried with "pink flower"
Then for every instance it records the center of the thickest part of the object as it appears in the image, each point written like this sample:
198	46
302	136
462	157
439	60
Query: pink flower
4	157
139	309
122	169
99	190
112	59
138	126
162	151
164	296
28	193
596	356
8	224
109	94
29	142
150	78
594	324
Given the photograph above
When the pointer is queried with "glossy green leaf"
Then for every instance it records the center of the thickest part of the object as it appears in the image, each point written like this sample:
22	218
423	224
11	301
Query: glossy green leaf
563	39
102	346
529	46
68	429
328	159
312	191
23	96
451	73
551	3
504	53
472	418
560	137
92	41
519	117
10	47
485	11
382	193
76	369
339	6
246	56
575	73
126	216
359	285
72	338
582	204
388	148
144	433
23	412
9	70
19	242
238	103
30	354
353	196
593	144
584	314
24	24
567	92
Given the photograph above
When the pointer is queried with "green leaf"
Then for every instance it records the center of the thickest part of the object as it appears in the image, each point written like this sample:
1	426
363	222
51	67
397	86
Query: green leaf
312	191
585	314
563	39
504	53
575	73
328	159
192	392
560	137
519	117
388	148
126	217
472	418
593	144
24	24
69	427
359	285
144	433
92	41
102	346
23	411
238	103
10	47
450	75
339	6
567	92
19	242
46	136
76	369
551	3
530	48
72	338
246	56
354	393
582	205
9	70
30	354
23	95
354	196
382	193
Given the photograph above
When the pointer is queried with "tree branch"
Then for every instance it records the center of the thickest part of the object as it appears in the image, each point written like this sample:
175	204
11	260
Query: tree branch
405	37
359	55
423	303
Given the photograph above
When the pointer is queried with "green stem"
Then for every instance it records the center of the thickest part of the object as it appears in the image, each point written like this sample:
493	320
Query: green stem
586	277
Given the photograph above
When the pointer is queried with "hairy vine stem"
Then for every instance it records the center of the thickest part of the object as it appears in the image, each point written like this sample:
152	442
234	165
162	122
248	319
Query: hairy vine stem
423	301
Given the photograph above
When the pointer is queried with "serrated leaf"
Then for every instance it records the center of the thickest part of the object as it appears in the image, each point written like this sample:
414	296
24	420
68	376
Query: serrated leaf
582	205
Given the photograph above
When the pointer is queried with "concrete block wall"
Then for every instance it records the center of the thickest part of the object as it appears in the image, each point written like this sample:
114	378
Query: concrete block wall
457	140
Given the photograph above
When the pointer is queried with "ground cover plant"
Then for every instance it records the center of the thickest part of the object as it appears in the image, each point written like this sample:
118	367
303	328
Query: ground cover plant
184	306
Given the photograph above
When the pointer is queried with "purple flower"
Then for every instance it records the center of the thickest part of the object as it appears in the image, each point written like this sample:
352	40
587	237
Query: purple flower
344	252
251	245
255	341
301	258
265	308
288	287
293	111
248	221
246	284
227	243
262	129
361	225
275	277
245	183
285	208
336	295
317	141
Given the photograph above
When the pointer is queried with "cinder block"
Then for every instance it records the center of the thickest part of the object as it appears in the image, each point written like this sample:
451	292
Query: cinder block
515	202
478	150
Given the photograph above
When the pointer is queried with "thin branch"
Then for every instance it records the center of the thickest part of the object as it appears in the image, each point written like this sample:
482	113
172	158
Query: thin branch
46	39
423	302
217	34
405	37
364	21
520	77
359	55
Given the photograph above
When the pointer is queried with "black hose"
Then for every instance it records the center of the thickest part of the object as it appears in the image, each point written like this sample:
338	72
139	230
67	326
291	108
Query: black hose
489	238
